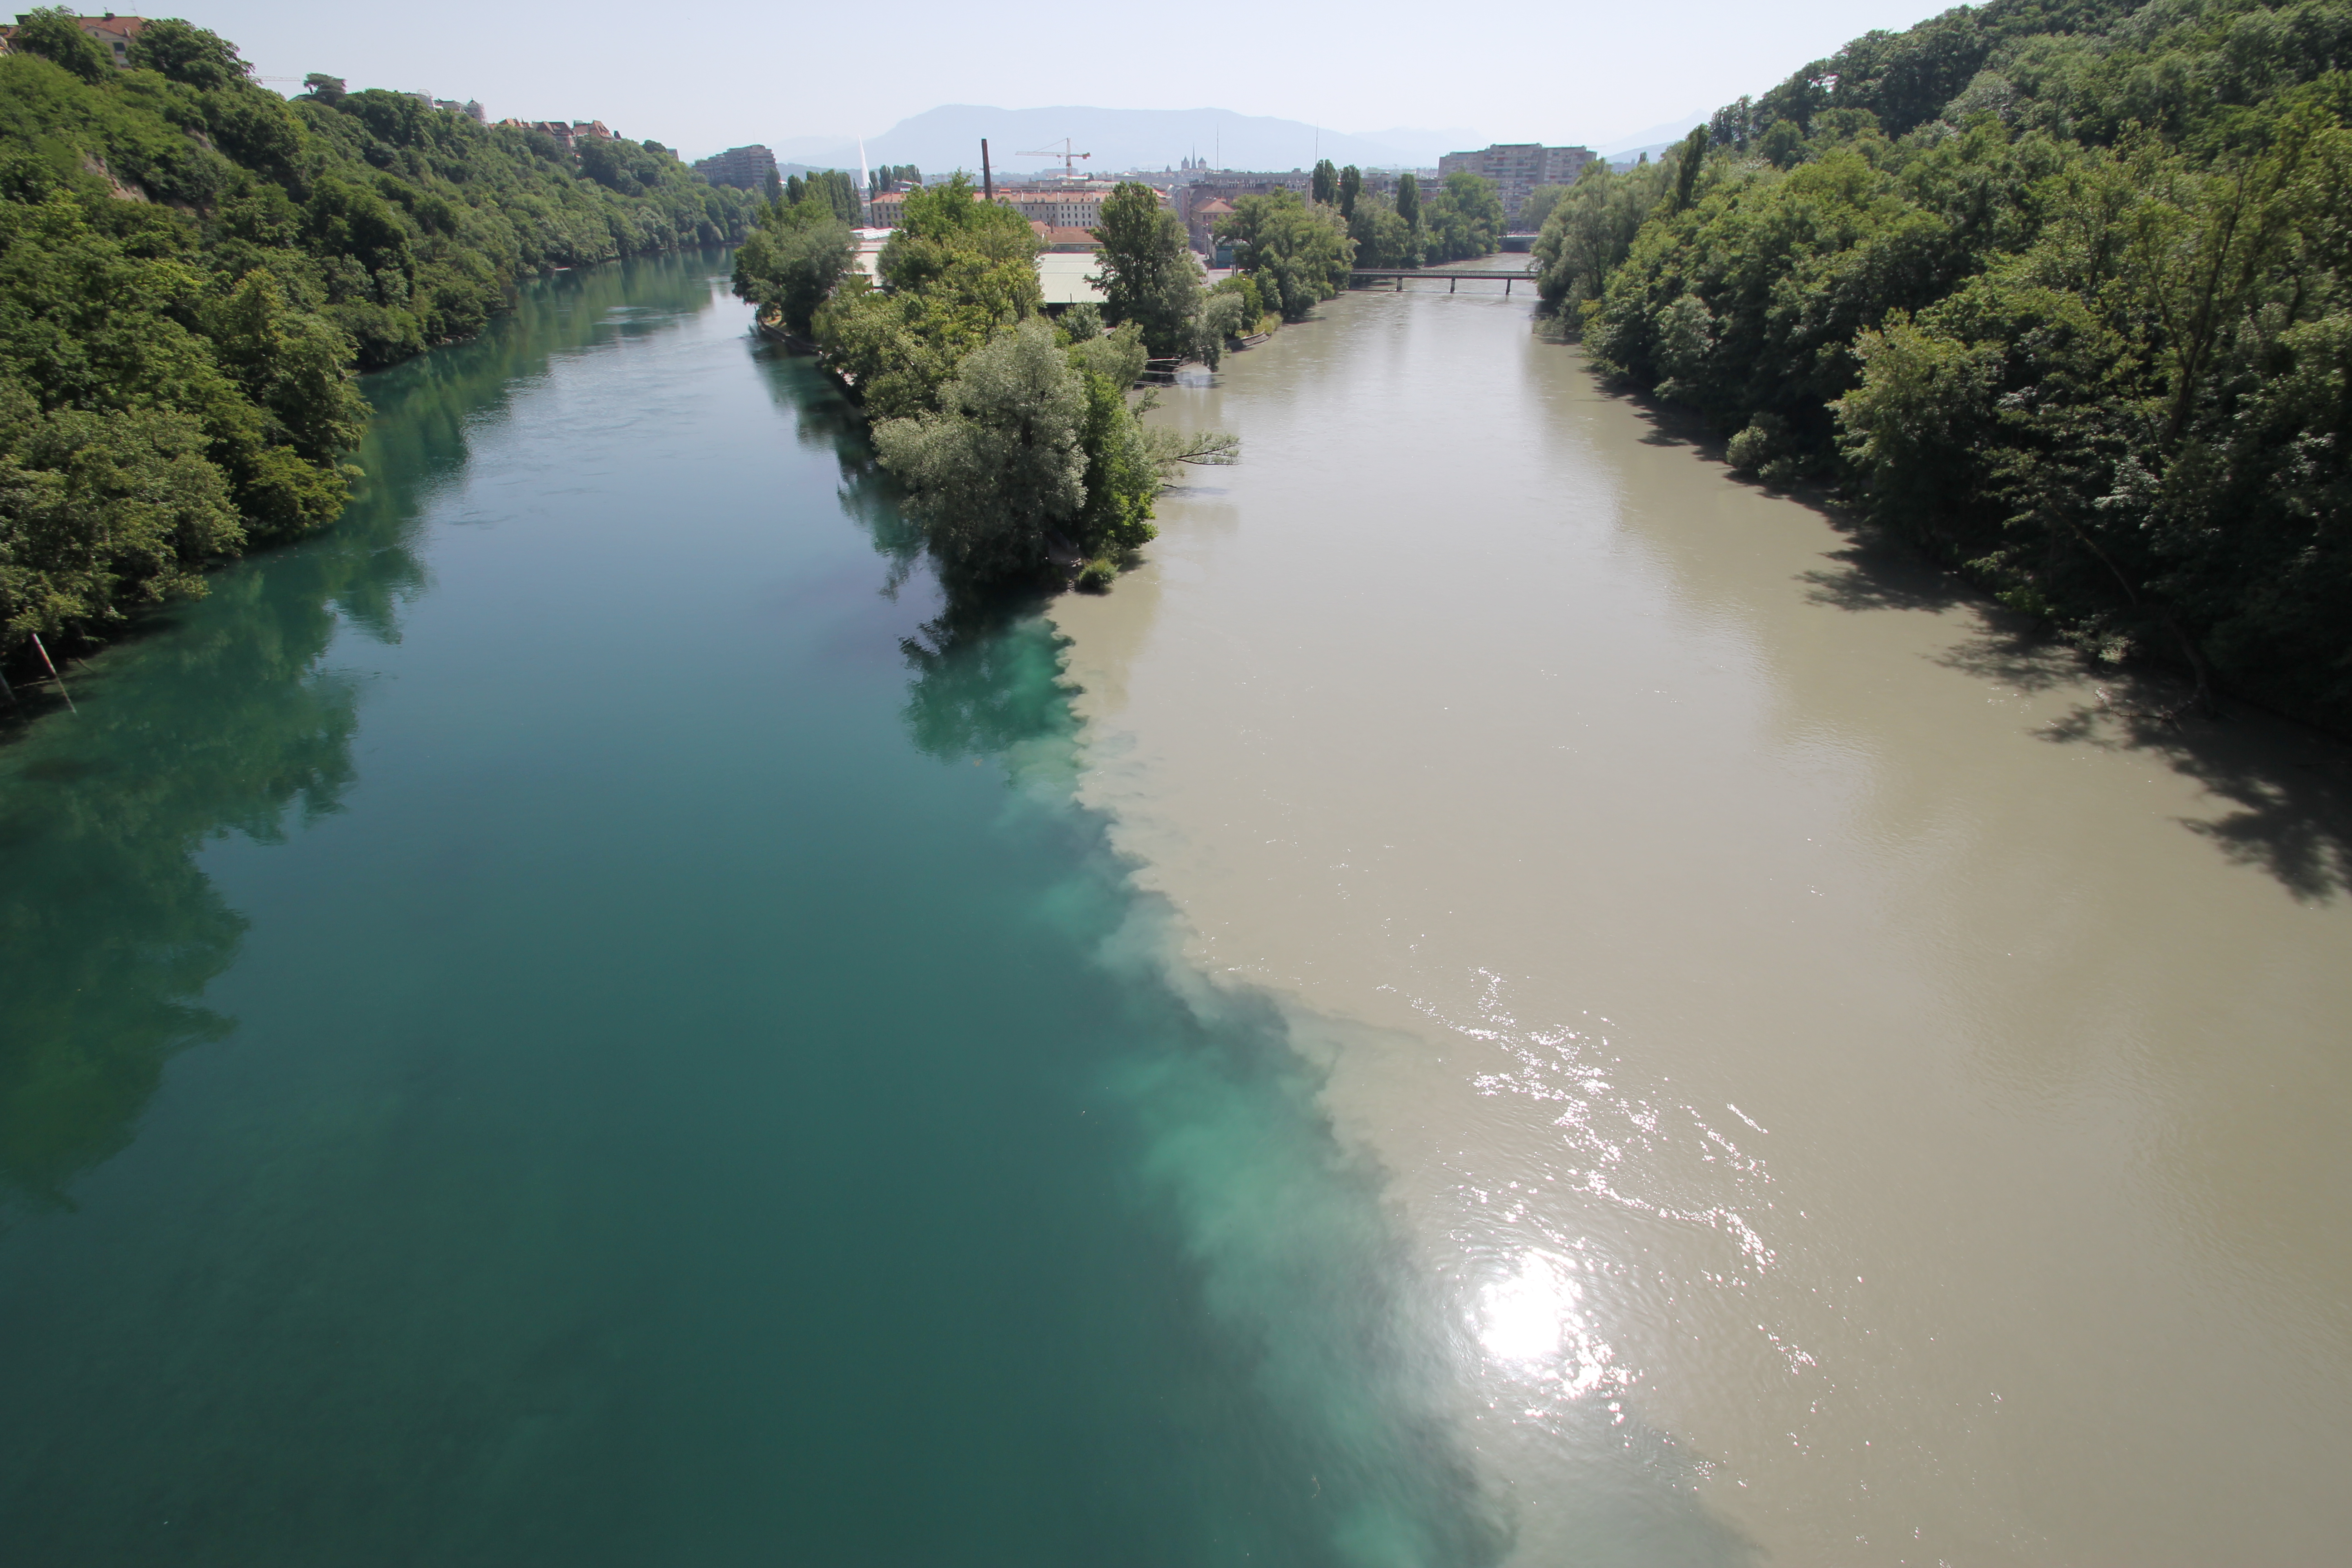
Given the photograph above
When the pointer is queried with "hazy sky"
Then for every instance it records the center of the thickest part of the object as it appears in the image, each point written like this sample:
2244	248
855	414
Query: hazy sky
705	75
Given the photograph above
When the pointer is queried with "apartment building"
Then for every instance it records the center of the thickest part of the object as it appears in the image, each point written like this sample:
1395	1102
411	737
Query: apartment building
1518	167
1063	204
1060	212
745	168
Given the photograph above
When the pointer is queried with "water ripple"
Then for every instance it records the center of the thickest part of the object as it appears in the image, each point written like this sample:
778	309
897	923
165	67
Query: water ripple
1545	1276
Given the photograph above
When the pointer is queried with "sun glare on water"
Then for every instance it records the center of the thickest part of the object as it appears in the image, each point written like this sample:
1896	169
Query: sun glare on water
1530	1322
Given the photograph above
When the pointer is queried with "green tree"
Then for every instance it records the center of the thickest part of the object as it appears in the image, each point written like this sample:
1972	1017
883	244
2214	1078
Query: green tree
1782	143
791	261
955	272
1224	314
1466	218
52	33
1148	275
1538	206
1296	253
1033	453
1382	236
1408	199
999	467
291	363
1122	478
1325	182
1691	159
1351	187
191	55
943	228
838	187
1590	231
1232	308
101	515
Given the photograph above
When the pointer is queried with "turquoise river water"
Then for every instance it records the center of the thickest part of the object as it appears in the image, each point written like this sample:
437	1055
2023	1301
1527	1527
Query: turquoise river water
572	1021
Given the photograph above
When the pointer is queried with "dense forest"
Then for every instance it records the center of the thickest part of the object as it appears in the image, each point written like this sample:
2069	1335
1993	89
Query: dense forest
192	266
2055	289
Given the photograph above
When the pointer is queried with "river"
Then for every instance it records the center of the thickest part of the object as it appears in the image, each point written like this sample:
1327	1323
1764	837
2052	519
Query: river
1832	1045
586	1017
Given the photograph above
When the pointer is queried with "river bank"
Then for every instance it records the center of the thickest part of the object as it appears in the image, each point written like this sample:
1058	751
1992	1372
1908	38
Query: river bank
1619	813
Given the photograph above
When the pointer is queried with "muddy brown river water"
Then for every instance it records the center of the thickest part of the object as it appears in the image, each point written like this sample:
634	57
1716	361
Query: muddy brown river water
1828	1050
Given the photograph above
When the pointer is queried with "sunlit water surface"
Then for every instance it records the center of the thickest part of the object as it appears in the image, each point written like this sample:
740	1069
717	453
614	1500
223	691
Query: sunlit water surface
1868	1093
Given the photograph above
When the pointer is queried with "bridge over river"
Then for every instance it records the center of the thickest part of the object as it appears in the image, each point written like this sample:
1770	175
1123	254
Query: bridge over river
1453	279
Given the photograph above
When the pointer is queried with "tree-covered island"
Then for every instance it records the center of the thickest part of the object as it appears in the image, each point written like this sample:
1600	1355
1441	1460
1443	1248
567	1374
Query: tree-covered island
2055	289
192	266
1018	437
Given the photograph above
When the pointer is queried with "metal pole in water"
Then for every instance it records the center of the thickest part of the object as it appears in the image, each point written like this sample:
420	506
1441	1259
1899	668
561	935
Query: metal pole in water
53	673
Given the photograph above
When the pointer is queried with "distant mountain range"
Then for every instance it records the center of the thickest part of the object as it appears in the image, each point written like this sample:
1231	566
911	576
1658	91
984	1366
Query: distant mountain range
949	137
1652	139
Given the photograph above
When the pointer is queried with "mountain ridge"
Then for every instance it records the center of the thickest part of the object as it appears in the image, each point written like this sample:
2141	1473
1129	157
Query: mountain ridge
947	137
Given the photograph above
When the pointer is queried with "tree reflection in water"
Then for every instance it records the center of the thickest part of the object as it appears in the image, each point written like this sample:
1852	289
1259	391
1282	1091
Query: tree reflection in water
220	717
987	681
109	931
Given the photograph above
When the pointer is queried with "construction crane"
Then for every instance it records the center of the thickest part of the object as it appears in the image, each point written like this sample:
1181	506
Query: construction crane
1069	159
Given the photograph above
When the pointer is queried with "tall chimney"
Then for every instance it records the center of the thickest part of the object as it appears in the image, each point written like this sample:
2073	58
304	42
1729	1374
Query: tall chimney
987	185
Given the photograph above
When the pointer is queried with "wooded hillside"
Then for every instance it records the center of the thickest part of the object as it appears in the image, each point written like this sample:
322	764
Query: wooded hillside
2055	290
191	267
